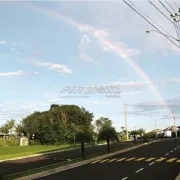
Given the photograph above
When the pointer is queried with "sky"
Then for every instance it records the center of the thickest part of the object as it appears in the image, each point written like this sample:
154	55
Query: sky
46	46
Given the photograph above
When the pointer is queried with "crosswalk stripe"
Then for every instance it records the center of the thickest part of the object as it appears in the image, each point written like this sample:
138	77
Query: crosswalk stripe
130	159
95	161
150	159
104	160
112	160
171	160
160	159
140	159
121	159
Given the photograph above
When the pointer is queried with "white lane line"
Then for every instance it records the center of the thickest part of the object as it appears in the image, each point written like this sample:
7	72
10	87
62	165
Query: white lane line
175	148
151	163
166	154
171	151
124	178
139	170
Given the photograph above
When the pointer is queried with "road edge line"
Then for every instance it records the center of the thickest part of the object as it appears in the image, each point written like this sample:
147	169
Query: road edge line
74	165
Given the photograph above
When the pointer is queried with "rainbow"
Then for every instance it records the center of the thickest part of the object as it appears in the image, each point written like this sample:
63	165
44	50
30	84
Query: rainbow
105	41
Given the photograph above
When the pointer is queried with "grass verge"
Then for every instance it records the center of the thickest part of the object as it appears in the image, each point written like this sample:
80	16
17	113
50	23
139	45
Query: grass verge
53	166
21	151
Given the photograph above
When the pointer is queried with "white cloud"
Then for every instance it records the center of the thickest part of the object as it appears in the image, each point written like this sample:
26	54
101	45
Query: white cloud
3	54
85	41
13	49
17	73
56	67
18	53
3	42
38	53
172	81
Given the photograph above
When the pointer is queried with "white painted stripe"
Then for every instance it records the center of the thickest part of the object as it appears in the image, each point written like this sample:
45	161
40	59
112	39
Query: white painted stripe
124	178
166	154
172	151
175	148
151	163
139	170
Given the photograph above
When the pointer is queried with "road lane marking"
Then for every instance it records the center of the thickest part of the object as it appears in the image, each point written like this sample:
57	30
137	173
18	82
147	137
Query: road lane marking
140	159
130	159
171	151
139	170
124	178
178	160
112	160
104	160
161	159
150	159
166	154
171	160
121	159
95	161
175	148
151	163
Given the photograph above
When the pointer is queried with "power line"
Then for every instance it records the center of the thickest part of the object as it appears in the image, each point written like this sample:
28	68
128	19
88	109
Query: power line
163	14
151	23
150	18
175	4
165	7
170	6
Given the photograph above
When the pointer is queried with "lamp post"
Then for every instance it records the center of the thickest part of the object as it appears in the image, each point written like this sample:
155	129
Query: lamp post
148	31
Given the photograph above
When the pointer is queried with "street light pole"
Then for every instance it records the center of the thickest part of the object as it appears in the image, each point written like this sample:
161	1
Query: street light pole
174	123
127	137
148	31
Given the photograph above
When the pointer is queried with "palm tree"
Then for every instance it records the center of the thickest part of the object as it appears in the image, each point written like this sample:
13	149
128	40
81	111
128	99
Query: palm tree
5	129
84	137
11	124
108	134
19	129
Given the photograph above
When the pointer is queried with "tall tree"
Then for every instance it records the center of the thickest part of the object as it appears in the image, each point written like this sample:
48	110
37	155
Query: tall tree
11	124
5	129
84	137
108	134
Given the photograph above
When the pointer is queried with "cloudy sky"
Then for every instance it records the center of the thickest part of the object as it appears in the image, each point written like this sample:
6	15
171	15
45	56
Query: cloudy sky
45	46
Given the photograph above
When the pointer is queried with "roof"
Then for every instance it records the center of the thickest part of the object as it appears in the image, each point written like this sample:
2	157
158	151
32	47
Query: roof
171	128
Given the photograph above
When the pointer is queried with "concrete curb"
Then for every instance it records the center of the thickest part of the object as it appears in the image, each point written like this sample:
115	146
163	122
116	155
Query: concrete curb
178	177
66	167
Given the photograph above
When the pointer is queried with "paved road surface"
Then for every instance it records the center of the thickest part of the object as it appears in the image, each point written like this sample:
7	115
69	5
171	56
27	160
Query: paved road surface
160	160
16	166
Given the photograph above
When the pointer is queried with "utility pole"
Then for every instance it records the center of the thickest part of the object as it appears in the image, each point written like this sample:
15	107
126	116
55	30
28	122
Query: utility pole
155	127
174	123
125	113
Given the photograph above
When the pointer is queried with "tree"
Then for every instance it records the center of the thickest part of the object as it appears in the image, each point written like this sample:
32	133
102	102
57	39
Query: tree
108	134
5	129
84	137
59	124
11	125
102	122
19	129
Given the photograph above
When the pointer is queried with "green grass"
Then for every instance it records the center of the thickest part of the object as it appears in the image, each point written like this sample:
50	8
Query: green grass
50	167
20	151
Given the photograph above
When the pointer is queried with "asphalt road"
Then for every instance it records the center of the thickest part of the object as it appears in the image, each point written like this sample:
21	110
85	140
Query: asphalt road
16	166
152	162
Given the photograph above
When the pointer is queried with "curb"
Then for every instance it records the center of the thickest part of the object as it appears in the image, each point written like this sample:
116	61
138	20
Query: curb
66	167
178	177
